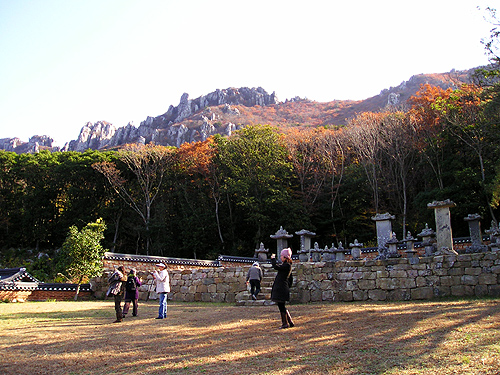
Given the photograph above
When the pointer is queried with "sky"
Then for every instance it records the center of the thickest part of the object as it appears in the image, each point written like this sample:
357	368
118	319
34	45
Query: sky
64	63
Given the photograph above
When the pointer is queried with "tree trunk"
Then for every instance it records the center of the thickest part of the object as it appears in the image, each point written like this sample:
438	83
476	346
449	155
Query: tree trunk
78	288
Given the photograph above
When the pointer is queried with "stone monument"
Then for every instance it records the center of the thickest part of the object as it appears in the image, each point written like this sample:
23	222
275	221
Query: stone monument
384	232
428	241
281	236
305	244
444	238
476	236
261	253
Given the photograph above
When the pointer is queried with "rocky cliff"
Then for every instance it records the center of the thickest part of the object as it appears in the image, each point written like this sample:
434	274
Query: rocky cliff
168	129
35	144
224	111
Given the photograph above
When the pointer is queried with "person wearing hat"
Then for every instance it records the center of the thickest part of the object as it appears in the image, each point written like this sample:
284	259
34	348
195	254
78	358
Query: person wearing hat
254	276
115	289
131	293
162	288
280	292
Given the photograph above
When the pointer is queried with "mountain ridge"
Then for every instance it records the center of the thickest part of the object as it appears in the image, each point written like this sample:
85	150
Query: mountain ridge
226	110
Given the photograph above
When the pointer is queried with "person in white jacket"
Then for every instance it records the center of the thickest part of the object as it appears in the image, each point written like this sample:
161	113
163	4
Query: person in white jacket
162	288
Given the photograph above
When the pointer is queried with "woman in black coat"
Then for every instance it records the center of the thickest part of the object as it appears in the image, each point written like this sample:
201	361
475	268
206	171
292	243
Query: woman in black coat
280	293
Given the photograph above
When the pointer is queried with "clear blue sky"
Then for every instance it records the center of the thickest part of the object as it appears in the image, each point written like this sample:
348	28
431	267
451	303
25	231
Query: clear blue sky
66	62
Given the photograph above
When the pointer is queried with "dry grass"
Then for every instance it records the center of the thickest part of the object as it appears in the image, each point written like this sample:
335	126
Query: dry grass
445	337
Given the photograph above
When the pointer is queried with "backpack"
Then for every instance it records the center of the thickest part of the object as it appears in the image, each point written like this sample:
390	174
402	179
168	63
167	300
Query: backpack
290	280
130	286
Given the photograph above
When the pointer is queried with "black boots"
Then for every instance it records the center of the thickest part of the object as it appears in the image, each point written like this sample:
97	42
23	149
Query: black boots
286	320
289	319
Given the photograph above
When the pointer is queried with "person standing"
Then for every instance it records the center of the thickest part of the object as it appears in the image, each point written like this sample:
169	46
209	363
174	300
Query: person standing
115	289
280	292
254	277
131	293
162	288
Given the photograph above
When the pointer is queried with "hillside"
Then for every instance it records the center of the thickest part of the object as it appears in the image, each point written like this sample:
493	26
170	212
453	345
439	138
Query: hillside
223	111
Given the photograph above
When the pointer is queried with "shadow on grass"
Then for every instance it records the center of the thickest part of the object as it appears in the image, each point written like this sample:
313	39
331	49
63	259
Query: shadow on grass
340	338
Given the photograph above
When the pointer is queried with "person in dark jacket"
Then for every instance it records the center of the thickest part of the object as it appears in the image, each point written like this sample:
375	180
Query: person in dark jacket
280	293
116	290
131	293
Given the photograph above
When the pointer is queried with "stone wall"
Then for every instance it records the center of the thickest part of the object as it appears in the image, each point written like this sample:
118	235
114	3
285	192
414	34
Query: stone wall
214	284
14	295
222	284
393	279
43	295
399	278
58	295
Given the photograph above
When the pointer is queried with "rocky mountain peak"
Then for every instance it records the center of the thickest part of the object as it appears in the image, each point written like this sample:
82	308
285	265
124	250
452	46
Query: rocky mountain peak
167	129
223	112
35	144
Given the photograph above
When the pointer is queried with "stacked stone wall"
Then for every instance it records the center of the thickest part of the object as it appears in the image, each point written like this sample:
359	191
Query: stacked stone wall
399	278
393	279
212	284
221	284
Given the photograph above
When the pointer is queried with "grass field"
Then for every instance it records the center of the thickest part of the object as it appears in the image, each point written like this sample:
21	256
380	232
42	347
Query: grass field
439	337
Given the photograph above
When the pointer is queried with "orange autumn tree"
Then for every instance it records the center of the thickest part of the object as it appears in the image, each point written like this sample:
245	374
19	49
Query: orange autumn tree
463	116
197	159
430	127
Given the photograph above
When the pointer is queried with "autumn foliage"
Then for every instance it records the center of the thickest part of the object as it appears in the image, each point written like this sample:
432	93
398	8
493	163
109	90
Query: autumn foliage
301	170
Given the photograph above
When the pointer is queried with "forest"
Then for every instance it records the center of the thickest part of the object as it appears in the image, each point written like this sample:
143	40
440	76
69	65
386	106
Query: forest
226	195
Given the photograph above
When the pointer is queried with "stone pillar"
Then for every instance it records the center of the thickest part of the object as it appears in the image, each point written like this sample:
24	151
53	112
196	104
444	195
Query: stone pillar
261	253
392	245
384	232
305	244
282	237
444	238
494	233
410	246
339	253
428	241
328	255
495	246
476	237
316	253
384	228
356	250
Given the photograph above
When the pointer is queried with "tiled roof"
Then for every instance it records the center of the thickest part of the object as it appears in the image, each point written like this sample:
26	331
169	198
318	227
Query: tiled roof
166	260
17	279
63	287
181	261
235	259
